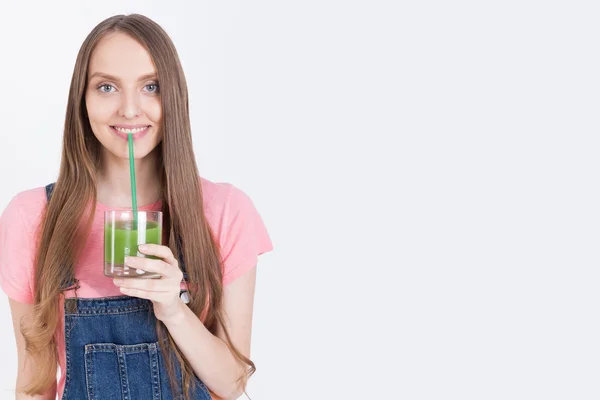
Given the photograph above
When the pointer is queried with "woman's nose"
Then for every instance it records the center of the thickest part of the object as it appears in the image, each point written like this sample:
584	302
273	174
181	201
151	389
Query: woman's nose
130	107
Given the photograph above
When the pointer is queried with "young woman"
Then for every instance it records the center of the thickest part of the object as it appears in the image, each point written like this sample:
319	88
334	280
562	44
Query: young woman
184	335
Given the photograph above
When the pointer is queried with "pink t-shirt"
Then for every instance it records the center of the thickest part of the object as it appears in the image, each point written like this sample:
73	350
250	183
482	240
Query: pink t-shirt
236	224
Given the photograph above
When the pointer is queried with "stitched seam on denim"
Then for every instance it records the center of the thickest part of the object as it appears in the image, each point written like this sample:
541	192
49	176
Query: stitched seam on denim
125	348
154	370
123	375
89	372
85	308
67	323
89	313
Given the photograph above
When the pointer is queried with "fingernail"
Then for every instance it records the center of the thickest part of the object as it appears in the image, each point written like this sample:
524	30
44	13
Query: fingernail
142	247
139	271
118	281
127	260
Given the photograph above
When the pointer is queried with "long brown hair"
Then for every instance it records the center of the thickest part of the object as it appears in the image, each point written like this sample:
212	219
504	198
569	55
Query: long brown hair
60	240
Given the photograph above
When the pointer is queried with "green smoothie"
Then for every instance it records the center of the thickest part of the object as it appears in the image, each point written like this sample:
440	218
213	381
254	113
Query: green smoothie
122	240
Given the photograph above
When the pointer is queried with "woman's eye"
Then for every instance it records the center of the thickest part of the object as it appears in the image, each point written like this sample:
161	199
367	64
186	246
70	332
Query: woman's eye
105	86
152	87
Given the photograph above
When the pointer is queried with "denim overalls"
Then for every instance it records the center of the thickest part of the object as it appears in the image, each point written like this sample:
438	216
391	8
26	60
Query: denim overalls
112	350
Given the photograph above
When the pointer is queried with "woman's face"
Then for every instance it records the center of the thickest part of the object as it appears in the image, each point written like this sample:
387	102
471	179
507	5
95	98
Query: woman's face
122	96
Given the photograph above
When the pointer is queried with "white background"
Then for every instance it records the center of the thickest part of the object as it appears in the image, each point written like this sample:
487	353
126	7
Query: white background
427	170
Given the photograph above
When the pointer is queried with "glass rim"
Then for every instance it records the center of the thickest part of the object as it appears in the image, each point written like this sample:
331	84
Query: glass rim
127	212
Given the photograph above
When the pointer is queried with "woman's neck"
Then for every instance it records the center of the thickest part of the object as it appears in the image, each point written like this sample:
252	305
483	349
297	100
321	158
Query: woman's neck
114	186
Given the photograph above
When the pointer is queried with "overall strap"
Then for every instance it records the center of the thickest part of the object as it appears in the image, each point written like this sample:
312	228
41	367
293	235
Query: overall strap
49	190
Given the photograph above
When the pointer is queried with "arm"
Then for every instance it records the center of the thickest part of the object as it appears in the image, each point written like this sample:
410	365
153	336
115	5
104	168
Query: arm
26	368
208	354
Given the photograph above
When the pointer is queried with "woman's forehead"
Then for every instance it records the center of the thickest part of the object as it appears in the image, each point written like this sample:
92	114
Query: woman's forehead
120	56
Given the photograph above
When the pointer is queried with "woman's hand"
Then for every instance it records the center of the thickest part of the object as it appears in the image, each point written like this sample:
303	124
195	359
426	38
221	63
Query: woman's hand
163	292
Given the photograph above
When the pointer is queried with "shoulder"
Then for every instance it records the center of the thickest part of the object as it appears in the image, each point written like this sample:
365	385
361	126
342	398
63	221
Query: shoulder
18	225
221	199
26	206
237	226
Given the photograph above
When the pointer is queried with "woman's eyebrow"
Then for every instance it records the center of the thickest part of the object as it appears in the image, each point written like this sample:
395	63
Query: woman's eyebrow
114	78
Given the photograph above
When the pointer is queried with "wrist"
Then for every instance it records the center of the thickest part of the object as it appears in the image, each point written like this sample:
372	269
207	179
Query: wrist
177	317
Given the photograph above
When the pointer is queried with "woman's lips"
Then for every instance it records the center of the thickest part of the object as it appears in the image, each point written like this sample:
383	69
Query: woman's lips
135	136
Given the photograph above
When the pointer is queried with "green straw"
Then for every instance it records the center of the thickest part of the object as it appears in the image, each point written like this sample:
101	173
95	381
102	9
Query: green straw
132	179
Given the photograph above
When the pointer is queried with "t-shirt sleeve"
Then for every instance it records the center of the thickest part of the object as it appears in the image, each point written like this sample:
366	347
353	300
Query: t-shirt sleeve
243	236
16	255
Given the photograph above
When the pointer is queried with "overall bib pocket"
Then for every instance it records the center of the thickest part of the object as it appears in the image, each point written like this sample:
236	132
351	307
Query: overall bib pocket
122	371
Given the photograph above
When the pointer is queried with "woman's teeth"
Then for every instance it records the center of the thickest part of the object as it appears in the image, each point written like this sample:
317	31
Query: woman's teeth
133	131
